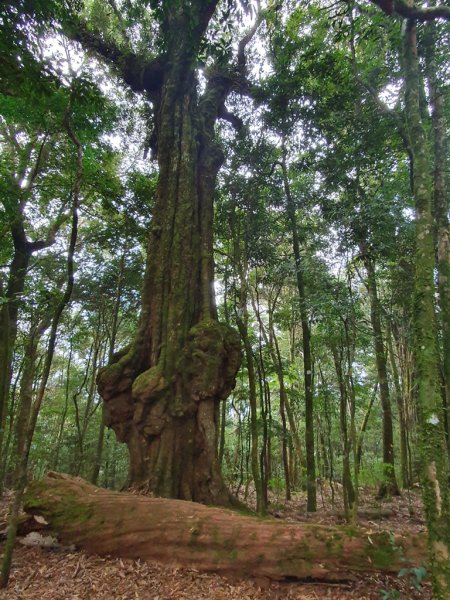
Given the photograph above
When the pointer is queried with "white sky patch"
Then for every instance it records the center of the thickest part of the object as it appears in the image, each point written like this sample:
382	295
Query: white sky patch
433	420
390	94
408	214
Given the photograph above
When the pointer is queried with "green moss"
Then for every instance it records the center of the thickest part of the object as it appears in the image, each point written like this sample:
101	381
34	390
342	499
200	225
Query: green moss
303	551
233	554
108	375
320	535
32	496
215	535
382	552
240	509
228	551
294	566
334	546
209	360
228	544
117	356
61	513
351	531
194	544
148	383
74	513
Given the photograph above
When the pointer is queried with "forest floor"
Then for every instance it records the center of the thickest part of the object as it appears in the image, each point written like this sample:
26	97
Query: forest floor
44	574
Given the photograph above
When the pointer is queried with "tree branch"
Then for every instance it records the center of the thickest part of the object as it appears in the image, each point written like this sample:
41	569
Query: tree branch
119	18
401	8
241	58
140	73
235	121
220	84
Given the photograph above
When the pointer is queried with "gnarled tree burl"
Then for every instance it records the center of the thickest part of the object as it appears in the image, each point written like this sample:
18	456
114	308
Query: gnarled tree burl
162	394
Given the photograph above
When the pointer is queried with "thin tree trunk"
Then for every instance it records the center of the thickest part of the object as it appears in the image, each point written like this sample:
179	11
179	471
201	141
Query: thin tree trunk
271	342
22	459
306	341
5	457
362	430
243	330
8	325
112	346
330	447
401	410
347	484
79	448
62	421
264	458
389	486
23	250
26	391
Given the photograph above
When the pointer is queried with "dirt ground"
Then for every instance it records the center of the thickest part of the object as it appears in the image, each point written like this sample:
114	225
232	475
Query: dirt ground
44	574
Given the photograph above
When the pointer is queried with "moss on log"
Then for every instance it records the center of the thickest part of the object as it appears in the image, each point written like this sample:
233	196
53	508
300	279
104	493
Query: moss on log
212	539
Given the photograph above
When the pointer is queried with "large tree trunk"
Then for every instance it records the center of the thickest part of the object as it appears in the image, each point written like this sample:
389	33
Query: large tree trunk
433	447
211	539
161	395
440	205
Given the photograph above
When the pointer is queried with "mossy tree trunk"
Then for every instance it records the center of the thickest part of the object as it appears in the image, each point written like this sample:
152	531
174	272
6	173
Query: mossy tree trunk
433	450
440	204
161	395
212	539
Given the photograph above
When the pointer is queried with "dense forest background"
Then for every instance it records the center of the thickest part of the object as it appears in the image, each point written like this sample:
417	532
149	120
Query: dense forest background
331	239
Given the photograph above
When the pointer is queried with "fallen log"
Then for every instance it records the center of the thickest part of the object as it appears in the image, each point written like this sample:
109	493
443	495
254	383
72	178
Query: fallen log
212	539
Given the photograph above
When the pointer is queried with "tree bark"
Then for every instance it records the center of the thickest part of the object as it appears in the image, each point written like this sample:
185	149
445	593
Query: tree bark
433	448
306	342
389	486
8	323
112	345
440	206
28	421
161	394
211	539
347	483
401	411
23	250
